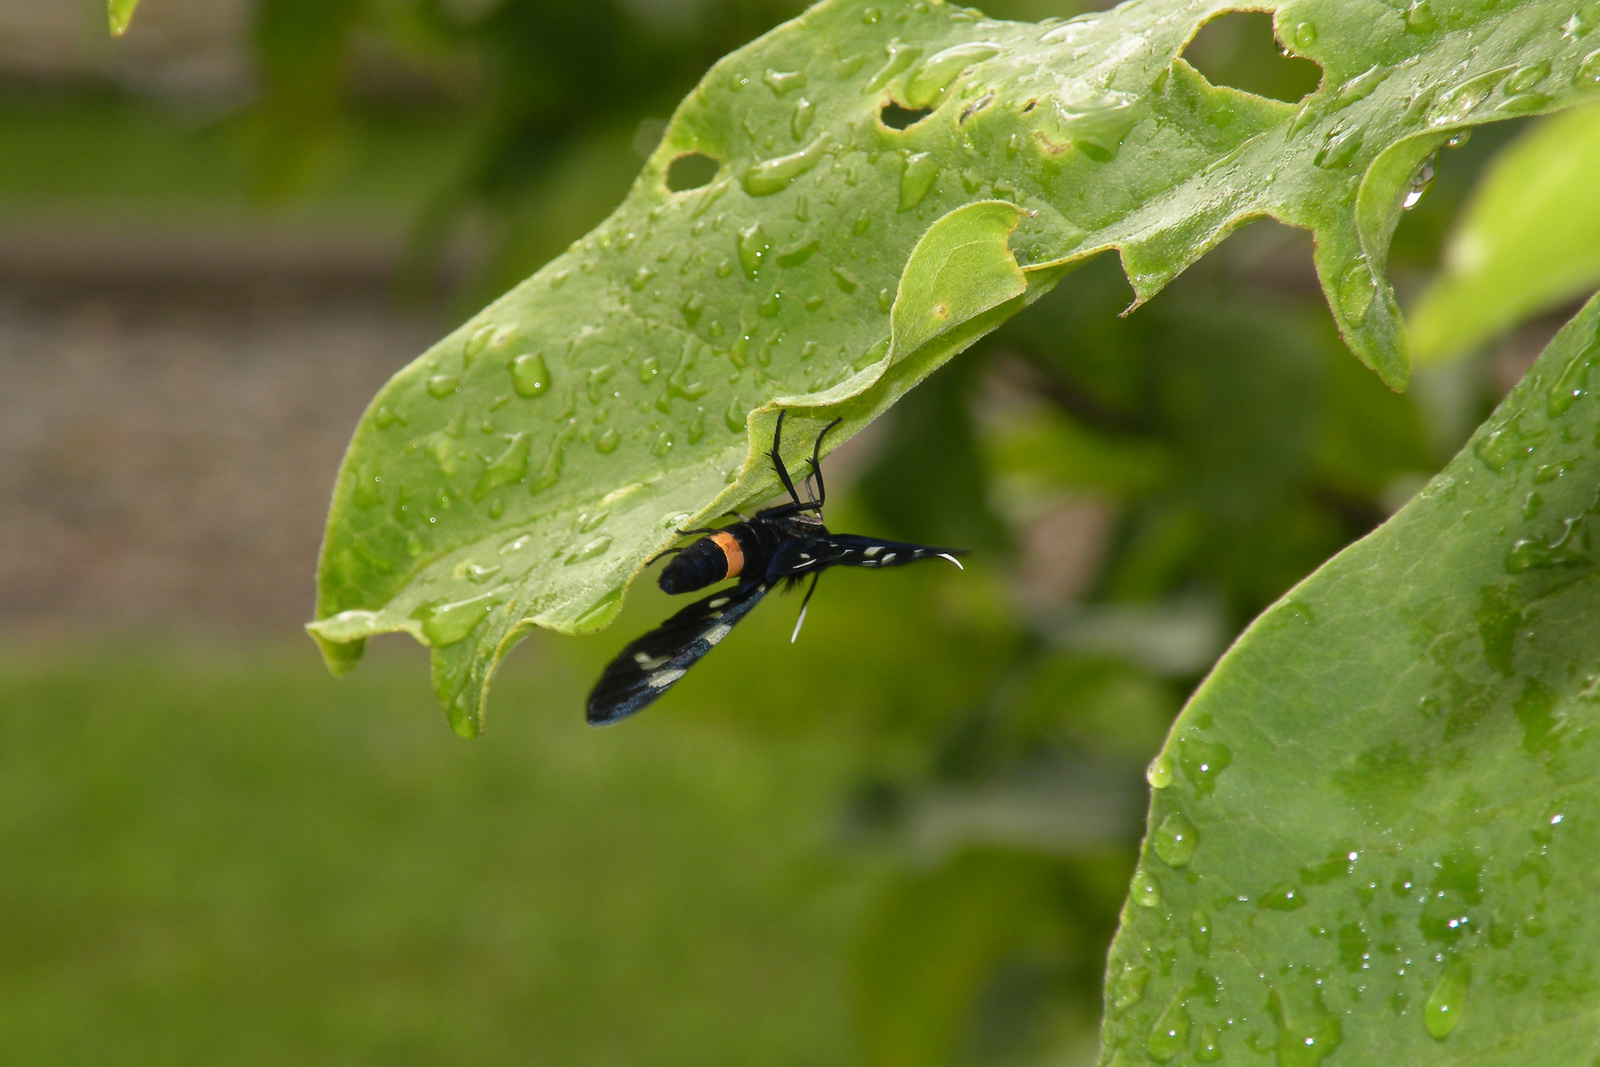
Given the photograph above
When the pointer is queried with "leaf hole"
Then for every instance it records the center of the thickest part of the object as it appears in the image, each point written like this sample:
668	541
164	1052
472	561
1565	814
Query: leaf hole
1238	49
691	171
900	118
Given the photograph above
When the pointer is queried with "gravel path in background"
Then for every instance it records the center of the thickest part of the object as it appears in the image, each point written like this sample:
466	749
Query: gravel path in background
166	456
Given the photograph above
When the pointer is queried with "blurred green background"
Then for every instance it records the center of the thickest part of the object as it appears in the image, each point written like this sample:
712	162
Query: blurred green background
902	841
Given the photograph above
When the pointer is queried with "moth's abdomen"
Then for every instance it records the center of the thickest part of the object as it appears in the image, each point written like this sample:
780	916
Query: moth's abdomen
706	562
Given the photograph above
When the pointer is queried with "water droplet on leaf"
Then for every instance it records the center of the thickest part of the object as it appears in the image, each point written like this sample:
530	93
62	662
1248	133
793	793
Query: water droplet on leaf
1146	891
901	56
804	112
1421	182
1093	122
1524	78
930	80
1574	379
1159	772
1340	148
1128	987
1442	1013
1420	17
1170	1033
1457	104
445	623
775	175
753	248
475	344
597	547
1357	289
477	573
1587	76
784	81
1202	761
1175	840
1282	897
921	169
734	416
529	375
510	466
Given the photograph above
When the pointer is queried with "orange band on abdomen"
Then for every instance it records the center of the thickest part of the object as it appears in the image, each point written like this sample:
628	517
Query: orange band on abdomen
730	548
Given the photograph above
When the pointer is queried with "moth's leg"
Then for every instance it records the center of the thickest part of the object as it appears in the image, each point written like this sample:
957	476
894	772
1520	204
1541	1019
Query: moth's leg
816	469
777	464
784	510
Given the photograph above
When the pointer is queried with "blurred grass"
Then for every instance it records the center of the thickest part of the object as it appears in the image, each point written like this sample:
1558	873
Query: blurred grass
235	859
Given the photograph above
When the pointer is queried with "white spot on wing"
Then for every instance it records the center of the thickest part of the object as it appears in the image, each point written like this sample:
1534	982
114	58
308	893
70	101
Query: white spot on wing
717	633
662	679
888	557
873	551
648	662
952	559
720	602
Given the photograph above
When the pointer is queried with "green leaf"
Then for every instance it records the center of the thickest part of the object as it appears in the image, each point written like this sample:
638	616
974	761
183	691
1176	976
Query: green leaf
1373	828
120	13
639	374
1528	241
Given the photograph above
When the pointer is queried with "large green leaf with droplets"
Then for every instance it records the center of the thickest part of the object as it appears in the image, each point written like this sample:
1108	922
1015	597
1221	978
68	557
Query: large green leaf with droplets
522	471
1374	827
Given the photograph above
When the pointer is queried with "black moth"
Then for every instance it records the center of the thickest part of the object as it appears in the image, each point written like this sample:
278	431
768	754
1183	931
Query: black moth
780	544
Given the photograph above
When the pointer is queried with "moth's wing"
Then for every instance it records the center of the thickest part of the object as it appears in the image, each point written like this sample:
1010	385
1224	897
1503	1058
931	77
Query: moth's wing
850	550
649	666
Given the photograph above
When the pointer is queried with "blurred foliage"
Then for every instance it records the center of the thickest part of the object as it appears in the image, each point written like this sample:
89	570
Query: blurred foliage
538	84
1528	242
1173	472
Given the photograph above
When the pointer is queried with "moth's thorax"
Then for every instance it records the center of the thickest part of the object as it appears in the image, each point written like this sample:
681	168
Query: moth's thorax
741	550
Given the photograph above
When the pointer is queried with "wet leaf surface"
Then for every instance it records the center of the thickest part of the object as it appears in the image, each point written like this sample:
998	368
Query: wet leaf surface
1375	823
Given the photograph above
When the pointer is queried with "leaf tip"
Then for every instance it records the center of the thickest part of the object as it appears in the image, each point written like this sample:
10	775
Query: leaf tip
464	724
119	13
341	657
